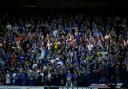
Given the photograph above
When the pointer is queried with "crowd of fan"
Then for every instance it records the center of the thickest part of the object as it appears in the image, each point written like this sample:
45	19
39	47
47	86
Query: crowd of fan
63	50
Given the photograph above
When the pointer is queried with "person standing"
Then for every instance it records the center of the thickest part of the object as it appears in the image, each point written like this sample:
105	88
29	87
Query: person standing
69	79
8	78
32	78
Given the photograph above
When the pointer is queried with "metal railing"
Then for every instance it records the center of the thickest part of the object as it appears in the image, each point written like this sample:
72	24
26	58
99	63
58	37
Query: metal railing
43	87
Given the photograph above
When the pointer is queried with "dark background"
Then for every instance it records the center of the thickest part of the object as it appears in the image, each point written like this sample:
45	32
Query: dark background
96	6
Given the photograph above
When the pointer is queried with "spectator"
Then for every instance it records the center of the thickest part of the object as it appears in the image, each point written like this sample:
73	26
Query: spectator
63	50
8	78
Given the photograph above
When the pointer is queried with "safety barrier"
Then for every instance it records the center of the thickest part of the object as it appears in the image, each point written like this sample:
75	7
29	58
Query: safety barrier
43	87
93	86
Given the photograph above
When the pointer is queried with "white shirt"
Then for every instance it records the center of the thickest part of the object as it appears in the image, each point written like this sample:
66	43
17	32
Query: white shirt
34	66
13	76
42	74
60	63
106	37
8	79
71	54
90	46
52	61
49	45
42	55
49	76
9	27
55	33
28	25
